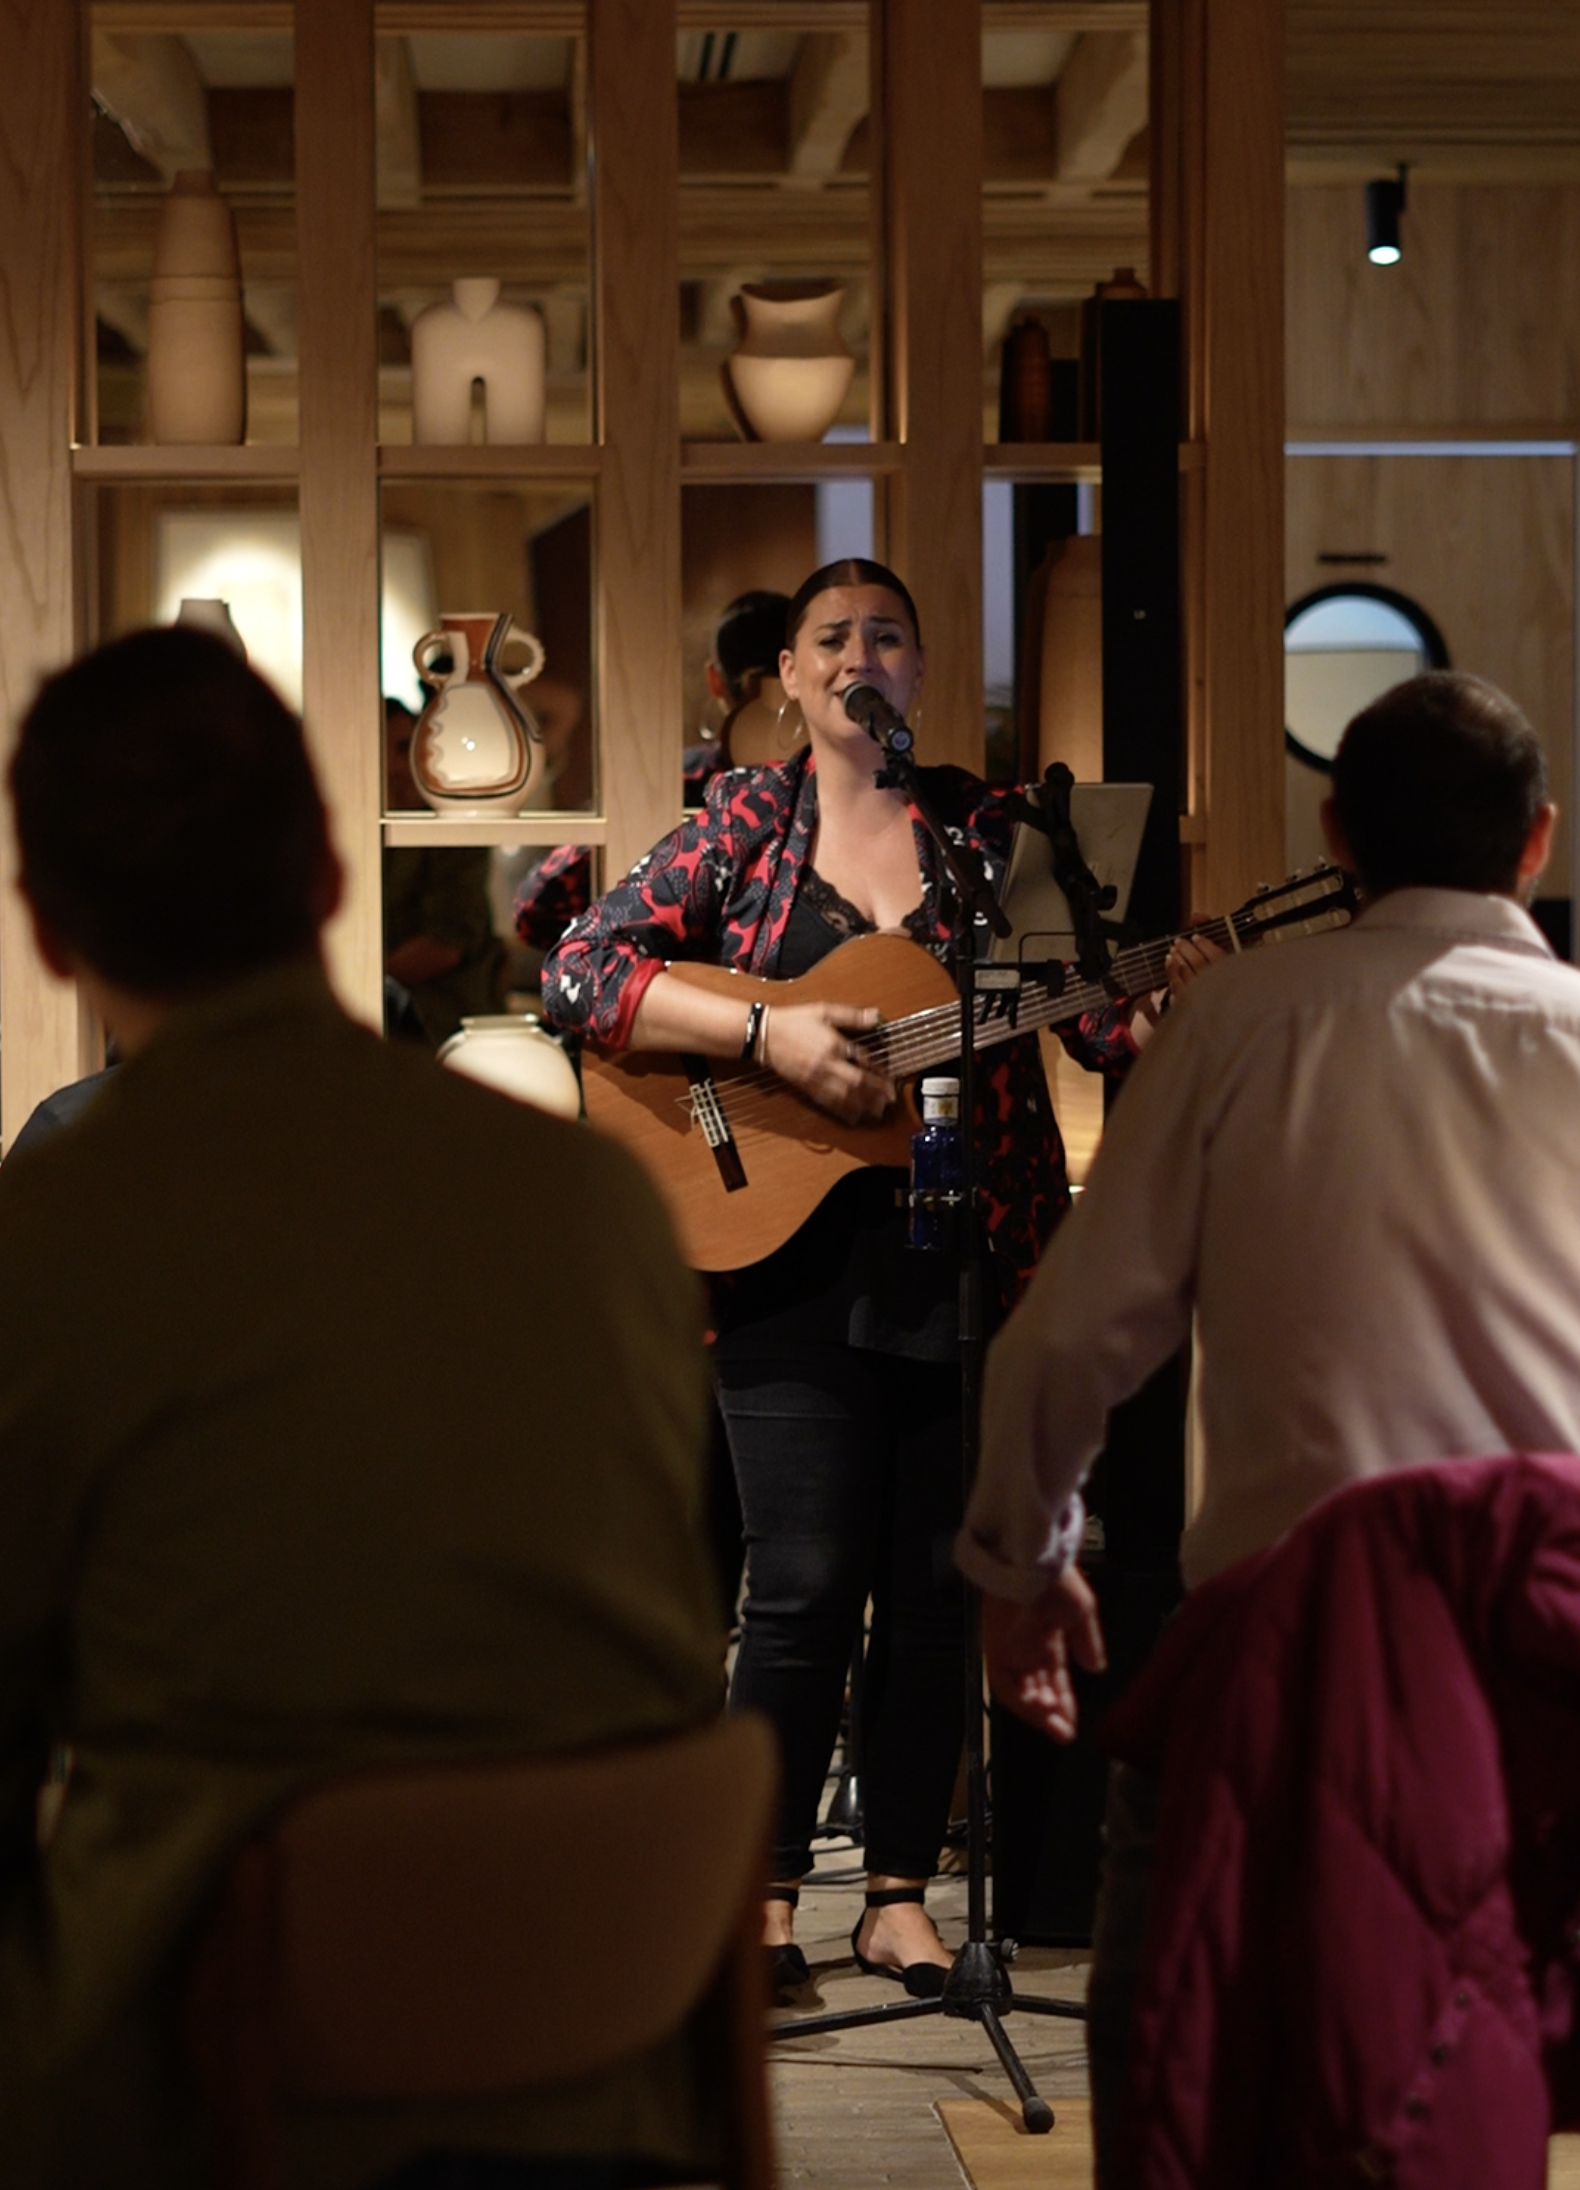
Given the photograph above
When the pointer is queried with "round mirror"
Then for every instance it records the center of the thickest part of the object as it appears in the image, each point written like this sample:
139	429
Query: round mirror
1343	645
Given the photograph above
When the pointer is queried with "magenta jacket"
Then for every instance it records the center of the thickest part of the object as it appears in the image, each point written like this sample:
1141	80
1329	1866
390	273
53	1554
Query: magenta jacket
720	888
1363	1946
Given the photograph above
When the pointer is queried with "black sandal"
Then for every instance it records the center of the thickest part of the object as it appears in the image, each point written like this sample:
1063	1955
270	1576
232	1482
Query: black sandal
787	1966
922	1980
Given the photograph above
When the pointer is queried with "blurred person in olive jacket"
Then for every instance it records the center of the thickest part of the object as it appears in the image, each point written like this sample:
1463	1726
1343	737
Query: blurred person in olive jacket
277	1497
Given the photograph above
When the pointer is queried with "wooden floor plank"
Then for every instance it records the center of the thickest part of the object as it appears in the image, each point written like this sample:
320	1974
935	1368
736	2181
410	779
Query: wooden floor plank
996	2153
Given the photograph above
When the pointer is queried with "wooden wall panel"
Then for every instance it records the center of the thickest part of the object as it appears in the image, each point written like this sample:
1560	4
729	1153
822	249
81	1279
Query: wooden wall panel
43	135
339	482
1477	325
1486	545
930	73
635	191
1218	244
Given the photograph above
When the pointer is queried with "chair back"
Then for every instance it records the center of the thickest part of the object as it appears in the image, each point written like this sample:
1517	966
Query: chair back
453	1933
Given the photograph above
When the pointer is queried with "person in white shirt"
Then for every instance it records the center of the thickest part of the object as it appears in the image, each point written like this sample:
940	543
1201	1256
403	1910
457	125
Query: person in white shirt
1352	1164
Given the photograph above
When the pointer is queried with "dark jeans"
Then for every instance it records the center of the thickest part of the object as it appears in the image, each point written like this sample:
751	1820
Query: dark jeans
849	1471
1118	1930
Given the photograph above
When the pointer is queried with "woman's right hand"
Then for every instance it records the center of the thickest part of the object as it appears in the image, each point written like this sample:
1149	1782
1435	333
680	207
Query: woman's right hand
812	1047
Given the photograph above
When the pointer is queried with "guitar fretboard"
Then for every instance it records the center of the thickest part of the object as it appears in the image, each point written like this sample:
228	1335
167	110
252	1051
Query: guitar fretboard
908	1046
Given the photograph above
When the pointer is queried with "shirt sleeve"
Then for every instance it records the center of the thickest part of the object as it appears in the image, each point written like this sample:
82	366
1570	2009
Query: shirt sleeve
665	908
554	894
1110	1302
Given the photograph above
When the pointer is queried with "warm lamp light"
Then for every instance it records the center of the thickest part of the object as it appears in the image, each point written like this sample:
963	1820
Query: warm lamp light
1384	203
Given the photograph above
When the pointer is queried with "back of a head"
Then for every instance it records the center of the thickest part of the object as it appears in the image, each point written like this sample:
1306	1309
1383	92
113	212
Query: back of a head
1437	785
750	637
170	826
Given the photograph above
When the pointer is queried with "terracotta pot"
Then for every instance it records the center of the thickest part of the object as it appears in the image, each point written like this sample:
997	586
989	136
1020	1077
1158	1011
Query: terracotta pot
791	370
477	747
476	337
513	1052
197	366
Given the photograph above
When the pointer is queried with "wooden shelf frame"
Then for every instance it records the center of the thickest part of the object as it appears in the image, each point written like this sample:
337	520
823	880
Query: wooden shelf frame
787	462
551	827
114	463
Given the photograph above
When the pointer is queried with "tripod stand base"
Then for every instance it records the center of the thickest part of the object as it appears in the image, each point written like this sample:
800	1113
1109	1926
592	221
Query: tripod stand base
977	1991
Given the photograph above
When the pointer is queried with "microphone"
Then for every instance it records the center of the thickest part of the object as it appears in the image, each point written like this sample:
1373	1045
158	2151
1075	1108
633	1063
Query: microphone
870	711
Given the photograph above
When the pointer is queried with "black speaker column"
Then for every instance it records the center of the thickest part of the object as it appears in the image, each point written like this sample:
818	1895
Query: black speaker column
1047	1801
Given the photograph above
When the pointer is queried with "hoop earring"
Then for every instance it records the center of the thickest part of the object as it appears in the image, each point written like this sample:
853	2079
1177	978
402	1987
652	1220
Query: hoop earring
788	744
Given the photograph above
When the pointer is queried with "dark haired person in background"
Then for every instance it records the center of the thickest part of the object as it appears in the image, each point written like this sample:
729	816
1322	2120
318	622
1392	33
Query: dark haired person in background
1352	1161
746	649
838	1355
268	1509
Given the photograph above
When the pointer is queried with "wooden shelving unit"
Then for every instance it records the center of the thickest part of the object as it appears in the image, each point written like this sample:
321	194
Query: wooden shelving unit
327	231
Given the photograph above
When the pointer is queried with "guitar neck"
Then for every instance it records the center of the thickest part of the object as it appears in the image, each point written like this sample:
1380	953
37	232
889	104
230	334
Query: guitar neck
910	1045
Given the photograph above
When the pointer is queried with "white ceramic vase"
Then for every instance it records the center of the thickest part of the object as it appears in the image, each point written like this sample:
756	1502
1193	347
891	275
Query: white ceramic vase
513	1053
197	367
476	337
477	748
791	369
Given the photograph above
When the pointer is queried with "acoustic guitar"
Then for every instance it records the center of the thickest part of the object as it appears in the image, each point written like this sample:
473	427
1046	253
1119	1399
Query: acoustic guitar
742	1160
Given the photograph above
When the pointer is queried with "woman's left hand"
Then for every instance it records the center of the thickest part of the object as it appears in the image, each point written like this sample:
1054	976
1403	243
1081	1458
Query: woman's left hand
1189	956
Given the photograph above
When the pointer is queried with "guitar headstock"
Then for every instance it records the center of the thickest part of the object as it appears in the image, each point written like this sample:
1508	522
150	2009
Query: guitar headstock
1308	902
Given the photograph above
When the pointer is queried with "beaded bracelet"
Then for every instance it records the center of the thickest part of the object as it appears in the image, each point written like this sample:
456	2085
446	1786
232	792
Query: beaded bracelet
754	1021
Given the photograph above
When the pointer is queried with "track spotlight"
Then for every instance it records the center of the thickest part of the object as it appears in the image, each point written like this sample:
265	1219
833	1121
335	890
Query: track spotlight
1384	203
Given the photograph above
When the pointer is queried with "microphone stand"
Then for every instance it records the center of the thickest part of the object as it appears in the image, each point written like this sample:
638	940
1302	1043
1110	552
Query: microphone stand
978	1987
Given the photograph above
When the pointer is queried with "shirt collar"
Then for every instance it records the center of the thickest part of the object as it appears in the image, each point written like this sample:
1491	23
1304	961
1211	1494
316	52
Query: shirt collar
289	987
1467	915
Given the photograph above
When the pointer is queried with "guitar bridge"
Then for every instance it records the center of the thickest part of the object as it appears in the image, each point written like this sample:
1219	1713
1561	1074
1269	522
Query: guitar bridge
707	1112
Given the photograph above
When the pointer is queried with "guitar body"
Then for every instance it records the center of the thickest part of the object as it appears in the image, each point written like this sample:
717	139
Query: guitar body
743	1162
787	1152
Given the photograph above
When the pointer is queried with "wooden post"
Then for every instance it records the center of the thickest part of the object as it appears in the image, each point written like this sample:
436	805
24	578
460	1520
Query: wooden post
929	76
337	259
1218	244
46	1038
635	145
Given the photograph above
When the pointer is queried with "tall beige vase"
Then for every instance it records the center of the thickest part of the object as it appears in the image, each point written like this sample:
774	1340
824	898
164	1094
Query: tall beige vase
788	376
197	370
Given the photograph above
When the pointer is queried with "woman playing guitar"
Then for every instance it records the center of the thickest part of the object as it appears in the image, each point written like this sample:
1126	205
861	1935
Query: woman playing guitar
837	1353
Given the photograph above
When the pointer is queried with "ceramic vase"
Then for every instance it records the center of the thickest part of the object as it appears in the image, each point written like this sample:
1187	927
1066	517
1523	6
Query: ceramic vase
477	747
790	372
476	337
197	369
512	1051
215	618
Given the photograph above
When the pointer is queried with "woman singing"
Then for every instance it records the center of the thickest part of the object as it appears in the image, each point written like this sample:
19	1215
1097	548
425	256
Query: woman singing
837	1355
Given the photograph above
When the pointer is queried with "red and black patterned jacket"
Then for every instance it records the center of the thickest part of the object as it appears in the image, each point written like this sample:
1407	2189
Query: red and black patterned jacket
720	888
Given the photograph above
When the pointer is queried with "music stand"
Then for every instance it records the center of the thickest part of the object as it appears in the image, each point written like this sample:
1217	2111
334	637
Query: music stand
978	1988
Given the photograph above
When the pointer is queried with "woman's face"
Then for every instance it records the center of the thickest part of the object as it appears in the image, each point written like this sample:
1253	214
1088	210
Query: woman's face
850	635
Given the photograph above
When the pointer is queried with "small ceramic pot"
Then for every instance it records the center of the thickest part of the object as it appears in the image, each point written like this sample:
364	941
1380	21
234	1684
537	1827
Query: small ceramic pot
791	370
197	364
477	747
476	337
516	1054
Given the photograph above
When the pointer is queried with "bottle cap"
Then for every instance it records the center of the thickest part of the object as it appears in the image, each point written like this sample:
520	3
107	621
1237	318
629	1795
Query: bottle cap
940	1084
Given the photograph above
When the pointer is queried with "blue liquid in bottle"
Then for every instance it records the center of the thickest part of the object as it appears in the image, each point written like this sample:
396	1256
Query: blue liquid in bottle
936	1167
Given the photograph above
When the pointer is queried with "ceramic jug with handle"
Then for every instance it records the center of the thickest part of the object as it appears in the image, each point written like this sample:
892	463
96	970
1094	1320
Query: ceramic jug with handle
477	747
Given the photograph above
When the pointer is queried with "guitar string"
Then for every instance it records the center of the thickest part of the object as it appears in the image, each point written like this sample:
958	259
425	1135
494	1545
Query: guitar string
924	1037
931	1036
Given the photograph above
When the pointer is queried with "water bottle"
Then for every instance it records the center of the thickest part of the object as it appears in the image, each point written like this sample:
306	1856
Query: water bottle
936	1166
